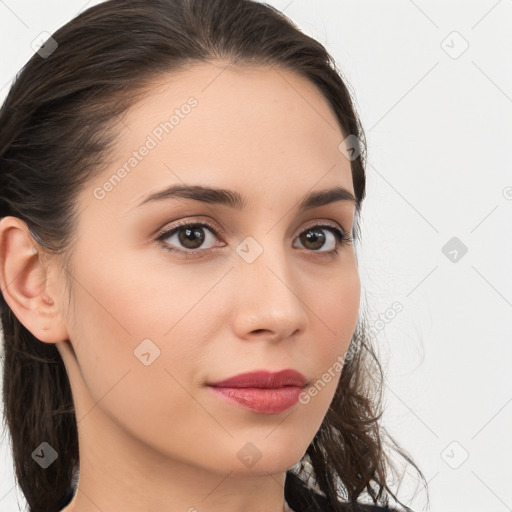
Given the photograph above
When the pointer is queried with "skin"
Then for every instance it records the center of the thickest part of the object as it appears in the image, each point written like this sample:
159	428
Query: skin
154	437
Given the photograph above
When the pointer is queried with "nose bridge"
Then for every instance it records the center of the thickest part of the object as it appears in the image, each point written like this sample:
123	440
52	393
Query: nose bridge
267	296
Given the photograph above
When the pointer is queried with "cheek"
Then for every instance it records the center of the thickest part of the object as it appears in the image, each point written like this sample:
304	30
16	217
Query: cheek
336	315
128	300
131	373
137	336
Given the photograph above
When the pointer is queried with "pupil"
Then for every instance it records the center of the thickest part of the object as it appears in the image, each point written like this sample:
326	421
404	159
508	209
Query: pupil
194	236
317	238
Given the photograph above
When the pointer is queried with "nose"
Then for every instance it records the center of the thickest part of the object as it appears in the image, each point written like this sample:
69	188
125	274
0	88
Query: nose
268	301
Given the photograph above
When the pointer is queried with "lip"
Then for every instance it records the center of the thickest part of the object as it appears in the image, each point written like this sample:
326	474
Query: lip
263	379
262	391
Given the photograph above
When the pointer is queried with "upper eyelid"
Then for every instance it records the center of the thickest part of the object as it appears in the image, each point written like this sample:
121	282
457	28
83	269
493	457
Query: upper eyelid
182	224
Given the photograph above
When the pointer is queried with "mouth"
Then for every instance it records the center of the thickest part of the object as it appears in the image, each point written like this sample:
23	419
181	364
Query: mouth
261	391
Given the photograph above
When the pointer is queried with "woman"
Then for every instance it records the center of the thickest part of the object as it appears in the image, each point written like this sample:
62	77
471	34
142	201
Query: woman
181	184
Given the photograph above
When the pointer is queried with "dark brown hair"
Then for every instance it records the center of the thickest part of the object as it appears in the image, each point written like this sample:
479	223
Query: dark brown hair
56	130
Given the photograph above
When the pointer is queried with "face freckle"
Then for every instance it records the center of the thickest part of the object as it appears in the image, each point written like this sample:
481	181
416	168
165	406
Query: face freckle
152	327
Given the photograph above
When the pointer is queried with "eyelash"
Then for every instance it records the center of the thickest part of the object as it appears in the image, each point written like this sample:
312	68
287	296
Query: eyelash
342	237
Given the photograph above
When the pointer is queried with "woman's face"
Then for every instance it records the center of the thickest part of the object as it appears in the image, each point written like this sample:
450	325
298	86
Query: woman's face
152	322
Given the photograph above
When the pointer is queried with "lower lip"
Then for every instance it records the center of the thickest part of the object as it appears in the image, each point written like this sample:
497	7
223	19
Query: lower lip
262	400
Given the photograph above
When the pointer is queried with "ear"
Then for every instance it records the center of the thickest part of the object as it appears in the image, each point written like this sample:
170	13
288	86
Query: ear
23	279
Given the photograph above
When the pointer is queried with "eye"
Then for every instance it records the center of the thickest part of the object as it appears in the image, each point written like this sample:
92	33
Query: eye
319	236
188	235
190	238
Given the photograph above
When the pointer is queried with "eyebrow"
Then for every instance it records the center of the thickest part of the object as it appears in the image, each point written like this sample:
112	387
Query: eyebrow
233	199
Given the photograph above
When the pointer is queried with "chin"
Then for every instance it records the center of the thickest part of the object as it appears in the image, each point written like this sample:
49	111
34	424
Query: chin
268	458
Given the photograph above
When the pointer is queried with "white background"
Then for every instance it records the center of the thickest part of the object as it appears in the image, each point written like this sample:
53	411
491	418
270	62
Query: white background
439	125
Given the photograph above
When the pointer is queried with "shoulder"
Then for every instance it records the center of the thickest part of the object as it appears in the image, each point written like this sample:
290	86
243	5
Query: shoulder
303	498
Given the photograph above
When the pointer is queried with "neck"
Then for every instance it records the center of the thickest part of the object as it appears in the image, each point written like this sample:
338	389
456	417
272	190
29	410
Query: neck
118	472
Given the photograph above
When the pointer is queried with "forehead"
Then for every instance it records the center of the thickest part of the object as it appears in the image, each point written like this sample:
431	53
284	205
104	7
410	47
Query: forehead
236	127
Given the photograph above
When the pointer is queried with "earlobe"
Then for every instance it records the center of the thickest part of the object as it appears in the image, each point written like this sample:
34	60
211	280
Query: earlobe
23	279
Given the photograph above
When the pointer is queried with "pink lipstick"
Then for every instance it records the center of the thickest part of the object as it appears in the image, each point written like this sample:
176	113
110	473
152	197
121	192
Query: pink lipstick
262	391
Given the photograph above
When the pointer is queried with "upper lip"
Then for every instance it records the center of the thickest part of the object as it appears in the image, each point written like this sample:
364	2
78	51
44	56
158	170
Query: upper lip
263	379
